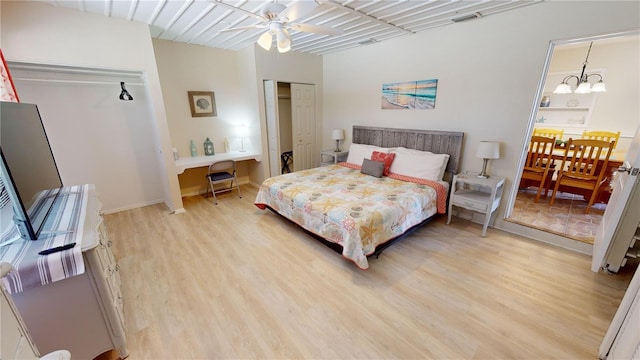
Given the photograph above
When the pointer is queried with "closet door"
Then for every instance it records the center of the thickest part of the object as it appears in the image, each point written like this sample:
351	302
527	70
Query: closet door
271	109
304	124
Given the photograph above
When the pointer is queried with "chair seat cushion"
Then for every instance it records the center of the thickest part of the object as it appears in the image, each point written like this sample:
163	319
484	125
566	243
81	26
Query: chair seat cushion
223	175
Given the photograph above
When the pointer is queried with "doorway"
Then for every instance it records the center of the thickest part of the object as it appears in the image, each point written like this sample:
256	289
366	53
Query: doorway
616	57
291	124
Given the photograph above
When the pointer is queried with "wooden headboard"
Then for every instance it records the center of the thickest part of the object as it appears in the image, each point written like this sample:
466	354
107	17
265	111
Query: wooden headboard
439	142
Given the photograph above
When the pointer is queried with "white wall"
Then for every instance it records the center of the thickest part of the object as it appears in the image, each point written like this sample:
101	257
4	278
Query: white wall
184	68
488	71
40	33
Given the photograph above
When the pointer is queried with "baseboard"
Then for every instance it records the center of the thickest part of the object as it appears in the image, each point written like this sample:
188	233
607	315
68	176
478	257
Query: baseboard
545	237
134	206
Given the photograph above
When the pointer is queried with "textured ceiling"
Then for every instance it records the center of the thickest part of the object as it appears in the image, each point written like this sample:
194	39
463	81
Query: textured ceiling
202	22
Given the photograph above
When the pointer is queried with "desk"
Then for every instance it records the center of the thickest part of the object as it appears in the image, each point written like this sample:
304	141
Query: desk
184	163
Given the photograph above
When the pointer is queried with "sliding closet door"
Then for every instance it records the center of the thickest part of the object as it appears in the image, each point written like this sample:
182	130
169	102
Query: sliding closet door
271	109
304	124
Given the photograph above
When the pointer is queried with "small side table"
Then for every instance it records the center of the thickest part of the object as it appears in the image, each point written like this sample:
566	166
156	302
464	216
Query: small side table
477	194
330	157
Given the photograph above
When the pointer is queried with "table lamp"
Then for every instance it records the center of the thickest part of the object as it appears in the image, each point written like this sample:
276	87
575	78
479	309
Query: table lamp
337	135
487	150
242	131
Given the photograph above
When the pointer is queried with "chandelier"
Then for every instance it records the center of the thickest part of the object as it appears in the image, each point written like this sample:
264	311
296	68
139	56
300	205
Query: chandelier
582	82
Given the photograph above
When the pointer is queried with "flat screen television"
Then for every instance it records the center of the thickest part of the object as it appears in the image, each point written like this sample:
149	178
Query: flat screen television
28	169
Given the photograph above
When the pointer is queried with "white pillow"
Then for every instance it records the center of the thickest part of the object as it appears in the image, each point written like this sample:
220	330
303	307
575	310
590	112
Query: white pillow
419	164
359	152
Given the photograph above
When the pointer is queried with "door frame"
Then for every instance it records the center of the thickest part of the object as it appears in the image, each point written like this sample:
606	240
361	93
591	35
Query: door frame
536	101
316	125
270	87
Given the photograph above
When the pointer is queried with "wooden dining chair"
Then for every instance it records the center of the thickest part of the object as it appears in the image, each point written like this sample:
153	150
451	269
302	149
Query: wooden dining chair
607	136
583	166
538	166
550	133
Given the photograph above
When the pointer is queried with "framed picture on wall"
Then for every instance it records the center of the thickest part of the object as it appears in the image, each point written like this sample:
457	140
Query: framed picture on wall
420	94
202	103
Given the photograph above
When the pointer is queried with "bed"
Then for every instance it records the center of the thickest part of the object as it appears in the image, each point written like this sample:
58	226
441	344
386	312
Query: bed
393	181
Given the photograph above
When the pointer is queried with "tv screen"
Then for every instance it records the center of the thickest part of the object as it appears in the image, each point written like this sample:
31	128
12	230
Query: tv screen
28	167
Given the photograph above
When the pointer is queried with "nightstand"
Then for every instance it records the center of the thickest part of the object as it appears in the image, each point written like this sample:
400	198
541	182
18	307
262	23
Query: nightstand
330	157
477	194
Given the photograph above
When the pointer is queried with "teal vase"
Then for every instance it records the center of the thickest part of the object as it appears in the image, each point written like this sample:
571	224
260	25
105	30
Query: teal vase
194	152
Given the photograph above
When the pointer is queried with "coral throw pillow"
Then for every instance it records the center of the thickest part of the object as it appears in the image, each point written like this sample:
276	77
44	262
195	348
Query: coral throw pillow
386	158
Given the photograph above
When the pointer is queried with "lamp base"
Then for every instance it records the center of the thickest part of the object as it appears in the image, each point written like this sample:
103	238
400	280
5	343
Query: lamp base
483	174
337	146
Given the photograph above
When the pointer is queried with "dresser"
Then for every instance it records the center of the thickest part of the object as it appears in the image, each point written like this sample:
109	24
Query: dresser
15	342
82	313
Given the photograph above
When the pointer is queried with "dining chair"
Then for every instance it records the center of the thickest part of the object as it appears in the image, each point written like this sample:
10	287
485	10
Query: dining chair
583	166
550	133
538	166
607	136
221	172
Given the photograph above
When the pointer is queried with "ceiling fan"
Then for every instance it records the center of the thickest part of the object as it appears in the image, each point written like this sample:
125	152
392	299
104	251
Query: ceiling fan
278	20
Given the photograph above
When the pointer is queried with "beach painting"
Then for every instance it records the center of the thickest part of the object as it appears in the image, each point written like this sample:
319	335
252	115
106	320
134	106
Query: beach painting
419	94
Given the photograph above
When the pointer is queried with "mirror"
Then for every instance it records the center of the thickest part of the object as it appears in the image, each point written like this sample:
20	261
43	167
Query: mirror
615	57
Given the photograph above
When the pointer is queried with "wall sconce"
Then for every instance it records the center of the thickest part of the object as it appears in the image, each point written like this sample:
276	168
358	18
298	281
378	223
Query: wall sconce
487	150
582	82
337	135
124	94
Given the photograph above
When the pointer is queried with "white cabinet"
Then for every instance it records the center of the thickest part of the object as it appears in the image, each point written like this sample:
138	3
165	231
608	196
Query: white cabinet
15	341
82	313
476	194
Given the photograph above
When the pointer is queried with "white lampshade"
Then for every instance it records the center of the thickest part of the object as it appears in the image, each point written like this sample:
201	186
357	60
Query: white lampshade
283	40
562	88
266	40
488	150
599	87
337	134
583	88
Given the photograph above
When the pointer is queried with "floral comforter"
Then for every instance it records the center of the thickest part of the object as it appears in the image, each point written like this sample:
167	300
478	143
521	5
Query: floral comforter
355	210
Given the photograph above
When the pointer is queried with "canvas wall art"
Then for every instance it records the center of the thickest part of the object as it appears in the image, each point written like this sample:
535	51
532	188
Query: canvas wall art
420	94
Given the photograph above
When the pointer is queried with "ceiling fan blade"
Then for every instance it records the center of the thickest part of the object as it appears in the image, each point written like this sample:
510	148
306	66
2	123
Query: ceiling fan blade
266	40
248	13
317	29
250	27
297	10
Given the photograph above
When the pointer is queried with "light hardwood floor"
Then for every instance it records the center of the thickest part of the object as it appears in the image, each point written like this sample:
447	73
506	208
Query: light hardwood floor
235	282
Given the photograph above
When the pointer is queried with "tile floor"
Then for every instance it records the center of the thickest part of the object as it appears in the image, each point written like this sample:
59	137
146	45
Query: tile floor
566	217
